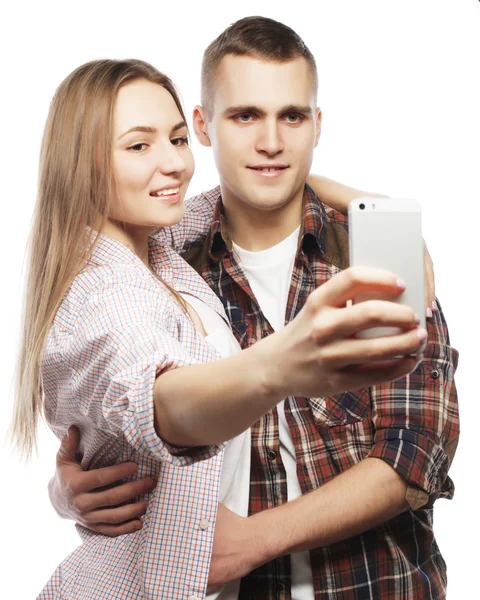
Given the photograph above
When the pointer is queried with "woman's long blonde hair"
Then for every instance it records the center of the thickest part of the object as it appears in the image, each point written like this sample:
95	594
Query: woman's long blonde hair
74	191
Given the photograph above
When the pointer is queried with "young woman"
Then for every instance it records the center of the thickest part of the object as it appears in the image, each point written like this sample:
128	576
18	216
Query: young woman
124	340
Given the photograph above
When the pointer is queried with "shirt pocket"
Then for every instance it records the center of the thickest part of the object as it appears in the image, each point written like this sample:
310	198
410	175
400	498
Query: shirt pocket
342	409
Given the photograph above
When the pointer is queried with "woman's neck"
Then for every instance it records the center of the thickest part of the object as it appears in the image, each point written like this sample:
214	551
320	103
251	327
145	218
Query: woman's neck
133	237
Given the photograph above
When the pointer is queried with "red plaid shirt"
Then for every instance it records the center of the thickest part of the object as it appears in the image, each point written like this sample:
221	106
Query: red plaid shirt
412	424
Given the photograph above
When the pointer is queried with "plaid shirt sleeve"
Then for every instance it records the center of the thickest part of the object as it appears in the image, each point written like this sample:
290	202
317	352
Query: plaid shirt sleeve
115	352
416	420
195	224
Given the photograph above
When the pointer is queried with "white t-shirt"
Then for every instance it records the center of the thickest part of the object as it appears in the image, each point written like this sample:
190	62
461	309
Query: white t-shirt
269	274
235	479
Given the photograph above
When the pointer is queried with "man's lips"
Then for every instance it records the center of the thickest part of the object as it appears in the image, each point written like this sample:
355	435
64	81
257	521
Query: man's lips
268	167
268	170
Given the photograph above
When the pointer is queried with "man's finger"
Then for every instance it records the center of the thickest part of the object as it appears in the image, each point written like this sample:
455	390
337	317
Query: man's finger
120	494
116	530
117	515
98	478
429	279
67	453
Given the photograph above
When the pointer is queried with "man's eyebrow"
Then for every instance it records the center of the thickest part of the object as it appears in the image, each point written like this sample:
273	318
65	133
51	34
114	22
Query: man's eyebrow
247	108
296	108
241	109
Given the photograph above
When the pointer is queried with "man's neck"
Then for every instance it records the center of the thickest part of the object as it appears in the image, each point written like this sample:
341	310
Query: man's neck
254	229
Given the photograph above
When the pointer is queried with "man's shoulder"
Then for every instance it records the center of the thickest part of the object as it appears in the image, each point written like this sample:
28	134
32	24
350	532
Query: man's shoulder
336	239
197	202
335	217
333	233
322	215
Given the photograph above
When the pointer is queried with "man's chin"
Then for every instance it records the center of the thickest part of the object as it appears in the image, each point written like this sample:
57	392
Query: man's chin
269	200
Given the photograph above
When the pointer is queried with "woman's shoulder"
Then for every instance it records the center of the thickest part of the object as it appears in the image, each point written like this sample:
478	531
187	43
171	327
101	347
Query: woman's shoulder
113	291
111	278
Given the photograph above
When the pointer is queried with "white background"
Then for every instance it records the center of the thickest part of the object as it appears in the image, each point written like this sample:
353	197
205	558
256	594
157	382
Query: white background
400	97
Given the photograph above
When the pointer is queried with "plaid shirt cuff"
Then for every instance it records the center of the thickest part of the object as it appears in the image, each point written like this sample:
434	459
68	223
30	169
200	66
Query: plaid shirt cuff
422	463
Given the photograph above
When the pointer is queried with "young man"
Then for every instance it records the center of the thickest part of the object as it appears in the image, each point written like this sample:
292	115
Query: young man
341	488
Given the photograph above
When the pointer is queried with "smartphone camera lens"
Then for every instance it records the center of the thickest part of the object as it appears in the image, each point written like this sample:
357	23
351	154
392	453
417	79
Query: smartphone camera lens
361	206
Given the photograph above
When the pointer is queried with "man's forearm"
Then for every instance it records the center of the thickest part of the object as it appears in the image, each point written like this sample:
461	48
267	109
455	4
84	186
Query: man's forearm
355	501
335	194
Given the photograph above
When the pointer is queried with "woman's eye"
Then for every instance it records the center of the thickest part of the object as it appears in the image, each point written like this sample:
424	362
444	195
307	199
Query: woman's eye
180	141
138	147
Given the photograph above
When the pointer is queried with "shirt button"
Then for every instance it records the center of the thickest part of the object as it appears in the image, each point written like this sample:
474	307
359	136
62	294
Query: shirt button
272	455
204	524
435	374
265	333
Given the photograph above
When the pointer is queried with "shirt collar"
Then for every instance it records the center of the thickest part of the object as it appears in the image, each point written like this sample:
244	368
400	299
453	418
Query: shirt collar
107	250
313	230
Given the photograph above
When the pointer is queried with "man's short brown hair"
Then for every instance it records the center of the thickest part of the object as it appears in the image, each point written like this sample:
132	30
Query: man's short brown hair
257	37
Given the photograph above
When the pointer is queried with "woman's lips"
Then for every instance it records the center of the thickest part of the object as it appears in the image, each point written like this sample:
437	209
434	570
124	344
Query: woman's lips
170	196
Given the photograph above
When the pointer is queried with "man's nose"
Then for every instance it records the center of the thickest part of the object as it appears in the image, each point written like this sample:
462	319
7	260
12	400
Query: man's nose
270	140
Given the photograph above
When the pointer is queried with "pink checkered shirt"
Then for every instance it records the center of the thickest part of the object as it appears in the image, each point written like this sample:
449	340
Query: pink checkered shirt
116	330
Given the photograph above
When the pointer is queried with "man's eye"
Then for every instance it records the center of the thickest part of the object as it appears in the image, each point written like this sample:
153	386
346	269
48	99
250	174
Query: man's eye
138	147
245	118
294	118
179	141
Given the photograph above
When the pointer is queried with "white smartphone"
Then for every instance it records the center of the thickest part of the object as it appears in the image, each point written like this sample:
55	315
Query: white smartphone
386	233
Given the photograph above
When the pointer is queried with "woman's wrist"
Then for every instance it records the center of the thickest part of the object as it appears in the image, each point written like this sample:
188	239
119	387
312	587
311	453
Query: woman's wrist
266	359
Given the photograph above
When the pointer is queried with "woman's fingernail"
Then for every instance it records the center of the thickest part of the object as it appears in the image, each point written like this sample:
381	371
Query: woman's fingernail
429	313
417	319
401	284
422	334
434	306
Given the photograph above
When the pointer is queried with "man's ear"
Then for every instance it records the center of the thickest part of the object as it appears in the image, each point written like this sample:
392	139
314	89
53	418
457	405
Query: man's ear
318	124
200	125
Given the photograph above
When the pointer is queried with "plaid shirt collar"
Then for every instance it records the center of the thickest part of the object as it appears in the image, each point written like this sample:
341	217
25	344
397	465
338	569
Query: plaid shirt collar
313	231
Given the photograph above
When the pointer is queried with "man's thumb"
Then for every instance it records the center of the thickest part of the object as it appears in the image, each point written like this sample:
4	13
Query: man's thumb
69	446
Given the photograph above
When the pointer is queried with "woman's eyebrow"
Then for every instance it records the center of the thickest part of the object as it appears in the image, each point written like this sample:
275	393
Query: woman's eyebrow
147	129
142	128
178	126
